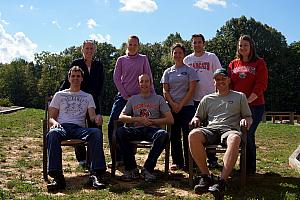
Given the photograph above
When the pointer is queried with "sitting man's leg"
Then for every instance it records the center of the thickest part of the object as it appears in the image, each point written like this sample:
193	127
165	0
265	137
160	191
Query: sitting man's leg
54	138
124	137
159	137
229	159
96	155
197	142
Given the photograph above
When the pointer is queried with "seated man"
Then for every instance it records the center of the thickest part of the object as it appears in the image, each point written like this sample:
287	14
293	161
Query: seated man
147	111
225	111
67	114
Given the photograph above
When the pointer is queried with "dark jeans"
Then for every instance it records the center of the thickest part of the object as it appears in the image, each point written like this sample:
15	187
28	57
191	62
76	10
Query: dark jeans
211	157
80	150
257	113
125	135
119	104
181	122
93	136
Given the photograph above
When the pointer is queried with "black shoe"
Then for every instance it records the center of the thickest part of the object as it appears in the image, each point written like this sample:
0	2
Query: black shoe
58	183
203	185
218	189
96	182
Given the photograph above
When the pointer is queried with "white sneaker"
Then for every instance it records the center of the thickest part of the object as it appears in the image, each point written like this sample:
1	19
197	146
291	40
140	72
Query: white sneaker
149	177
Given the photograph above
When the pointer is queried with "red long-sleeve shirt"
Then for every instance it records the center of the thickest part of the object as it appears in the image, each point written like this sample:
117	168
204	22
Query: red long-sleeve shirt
249	77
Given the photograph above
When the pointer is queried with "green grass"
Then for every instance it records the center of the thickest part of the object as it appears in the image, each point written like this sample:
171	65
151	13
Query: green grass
21	177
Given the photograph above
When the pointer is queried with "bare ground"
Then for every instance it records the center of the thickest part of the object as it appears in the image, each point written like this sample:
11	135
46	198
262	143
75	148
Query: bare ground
23	161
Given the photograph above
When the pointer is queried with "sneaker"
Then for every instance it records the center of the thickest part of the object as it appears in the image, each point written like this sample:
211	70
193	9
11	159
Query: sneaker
148	176
203	185
218	189
96	182
130	175
58	183
118	164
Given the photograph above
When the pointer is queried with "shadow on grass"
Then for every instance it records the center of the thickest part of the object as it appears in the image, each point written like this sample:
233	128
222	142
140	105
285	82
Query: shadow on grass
268	186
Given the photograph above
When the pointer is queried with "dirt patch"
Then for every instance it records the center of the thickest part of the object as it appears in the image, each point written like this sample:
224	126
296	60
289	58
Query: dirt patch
23	161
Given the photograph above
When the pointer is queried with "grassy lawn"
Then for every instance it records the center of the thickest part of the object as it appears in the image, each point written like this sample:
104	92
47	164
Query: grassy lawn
21	167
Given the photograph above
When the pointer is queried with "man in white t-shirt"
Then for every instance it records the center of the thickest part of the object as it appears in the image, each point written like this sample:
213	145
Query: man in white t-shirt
67	114
205	64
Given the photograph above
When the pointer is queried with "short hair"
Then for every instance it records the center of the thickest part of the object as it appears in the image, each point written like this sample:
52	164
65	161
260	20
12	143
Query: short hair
133	37
88	41
252	56
179	45
198	35
140	76
75	69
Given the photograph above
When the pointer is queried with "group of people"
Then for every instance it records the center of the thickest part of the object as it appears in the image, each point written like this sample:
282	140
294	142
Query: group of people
196	89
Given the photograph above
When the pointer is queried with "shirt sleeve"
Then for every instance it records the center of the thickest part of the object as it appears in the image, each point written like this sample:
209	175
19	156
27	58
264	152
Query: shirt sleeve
245	110
261	79
128	107
117	78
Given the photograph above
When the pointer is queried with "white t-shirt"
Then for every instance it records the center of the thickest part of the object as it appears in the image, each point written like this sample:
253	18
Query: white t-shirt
205	66
72	106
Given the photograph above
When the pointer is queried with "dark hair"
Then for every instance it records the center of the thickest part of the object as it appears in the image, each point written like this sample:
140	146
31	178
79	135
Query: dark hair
134	37
252	56
198	35
75	69
180	45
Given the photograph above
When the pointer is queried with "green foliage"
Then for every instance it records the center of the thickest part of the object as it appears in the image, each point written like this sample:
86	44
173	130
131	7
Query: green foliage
27	84
5	102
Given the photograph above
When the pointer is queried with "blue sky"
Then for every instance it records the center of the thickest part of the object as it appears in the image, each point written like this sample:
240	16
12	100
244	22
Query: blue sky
32	26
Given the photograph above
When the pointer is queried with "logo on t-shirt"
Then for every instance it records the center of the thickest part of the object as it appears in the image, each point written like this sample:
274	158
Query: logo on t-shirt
145	113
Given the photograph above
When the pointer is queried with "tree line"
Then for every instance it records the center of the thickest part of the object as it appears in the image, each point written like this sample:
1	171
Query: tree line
29	83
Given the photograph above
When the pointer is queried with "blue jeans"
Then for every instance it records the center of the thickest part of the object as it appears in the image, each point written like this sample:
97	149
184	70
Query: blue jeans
93	136
119	104
257	113
181	122
158	136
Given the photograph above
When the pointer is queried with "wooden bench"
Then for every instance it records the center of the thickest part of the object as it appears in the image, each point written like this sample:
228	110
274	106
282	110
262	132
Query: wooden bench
281	116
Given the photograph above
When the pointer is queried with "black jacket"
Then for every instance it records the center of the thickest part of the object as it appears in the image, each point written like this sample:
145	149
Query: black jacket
92	82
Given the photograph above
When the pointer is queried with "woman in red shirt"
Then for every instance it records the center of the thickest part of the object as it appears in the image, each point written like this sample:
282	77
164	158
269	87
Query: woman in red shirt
249	74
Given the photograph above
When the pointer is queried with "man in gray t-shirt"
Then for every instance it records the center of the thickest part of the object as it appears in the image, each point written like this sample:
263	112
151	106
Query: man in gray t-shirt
225	111
147	111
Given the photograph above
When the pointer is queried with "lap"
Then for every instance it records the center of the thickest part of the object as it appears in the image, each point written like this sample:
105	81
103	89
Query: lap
216	135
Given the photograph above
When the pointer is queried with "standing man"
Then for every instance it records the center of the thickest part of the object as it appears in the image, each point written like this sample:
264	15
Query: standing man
225	110
147	111
205	64
67	114
127	70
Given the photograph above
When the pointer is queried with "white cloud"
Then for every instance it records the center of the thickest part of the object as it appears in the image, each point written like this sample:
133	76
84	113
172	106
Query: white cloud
91	23
204	4
100	38
3	21
78	24
15	46
31	7
21	6
138	5
56	24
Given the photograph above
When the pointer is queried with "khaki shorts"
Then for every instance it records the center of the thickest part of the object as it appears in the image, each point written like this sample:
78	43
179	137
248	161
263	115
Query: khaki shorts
217	135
